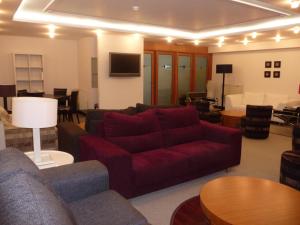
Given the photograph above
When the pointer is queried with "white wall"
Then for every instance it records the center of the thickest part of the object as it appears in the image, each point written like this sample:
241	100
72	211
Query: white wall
116	93
88	96
249	67
60	60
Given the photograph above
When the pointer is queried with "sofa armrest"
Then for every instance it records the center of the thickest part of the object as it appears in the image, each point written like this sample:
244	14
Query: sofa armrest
77	181
116	159
68	138
233	101
225	135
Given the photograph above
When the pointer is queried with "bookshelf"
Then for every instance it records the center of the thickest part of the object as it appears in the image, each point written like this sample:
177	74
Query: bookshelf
29	72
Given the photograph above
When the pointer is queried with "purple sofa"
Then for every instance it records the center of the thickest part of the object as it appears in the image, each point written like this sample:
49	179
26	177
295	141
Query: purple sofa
159	148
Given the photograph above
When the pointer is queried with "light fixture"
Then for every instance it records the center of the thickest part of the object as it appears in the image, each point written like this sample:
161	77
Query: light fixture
51	29
0	1
254	35
221	39
35	113
99	32
220	44
278	38
296	30
196	42
169	39
294	4
245	41
135	8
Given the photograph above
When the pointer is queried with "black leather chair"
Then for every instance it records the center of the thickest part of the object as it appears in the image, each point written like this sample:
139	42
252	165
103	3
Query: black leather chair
72	108
22	93
61	92
256	123
290	169
296	137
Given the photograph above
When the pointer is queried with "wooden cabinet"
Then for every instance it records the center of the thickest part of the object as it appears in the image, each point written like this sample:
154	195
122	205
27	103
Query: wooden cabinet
29	69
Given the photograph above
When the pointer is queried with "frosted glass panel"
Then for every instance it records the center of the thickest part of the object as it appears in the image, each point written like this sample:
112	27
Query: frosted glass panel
147	78
164	79
184	75
201	67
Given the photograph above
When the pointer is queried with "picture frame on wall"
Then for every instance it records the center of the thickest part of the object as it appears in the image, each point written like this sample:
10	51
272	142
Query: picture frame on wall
268	64
276	74
277	64
267	74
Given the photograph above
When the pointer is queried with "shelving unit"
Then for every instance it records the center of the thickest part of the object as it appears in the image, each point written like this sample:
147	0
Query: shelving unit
29	70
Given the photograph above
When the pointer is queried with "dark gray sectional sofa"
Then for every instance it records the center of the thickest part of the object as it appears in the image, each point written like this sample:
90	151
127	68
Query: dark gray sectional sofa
65	195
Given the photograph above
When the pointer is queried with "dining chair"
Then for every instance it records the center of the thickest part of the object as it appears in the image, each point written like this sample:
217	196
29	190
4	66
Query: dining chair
72	108
61	92
22	93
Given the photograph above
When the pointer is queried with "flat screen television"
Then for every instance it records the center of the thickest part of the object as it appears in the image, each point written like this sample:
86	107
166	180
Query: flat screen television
124	65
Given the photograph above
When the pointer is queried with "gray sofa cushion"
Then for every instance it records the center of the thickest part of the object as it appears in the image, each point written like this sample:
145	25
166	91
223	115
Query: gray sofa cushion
24	200
106	208
13	161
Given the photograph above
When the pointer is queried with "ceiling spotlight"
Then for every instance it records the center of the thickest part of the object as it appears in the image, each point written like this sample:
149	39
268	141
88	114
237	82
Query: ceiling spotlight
220	44
254	35
296	30
51	29
196	42
245	41
169	39
294	4
135	8
221	39
99	32
278	38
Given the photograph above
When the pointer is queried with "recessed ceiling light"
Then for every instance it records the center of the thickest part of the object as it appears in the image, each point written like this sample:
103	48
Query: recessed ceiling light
220	44
51	29
196	42
245	41
278	38
169	39
254	35
135	8
294	4
221	39
98	32
296	30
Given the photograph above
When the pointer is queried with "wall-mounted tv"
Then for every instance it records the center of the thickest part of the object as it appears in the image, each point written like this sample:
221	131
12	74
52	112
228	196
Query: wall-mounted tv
124	65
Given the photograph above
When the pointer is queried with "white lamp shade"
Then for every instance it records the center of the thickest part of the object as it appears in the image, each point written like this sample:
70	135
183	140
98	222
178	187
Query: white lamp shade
33	112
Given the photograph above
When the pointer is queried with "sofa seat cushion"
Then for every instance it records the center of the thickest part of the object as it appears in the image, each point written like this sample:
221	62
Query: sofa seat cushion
106	208
157	166
136	133
253	98
203	154
24	200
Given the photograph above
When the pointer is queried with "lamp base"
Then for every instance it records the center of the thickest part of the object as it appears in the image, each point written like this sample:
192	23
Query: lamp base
46	160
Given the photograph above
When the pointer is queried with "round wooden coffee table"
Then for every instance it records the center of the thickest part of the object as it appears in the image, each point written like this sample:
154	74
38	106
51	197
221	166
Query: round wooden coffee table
232	118
249	201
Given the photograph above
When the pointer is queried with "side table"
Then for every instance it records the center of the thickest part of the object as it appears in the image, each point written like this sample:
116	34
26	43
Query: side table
52	158
232	118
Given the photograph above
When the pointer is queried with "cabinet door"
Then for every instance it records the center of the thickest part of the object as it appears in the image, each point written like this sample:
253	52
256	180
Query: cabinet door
184	75
148	78
164	79
201	72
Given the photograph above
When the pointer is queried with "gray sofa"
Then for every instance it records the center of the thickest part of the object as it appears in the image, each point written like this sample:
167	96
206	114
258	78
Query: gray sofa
72	194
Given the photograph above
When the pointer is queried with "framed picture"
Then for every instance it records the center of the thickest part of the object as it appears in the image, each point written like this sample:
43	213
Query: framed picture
277	64
276	74
267	74
268	64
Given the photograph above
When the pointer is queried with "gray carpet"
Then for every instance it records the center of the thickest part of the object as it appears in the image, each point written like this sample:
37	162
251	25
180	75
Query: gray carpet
260	158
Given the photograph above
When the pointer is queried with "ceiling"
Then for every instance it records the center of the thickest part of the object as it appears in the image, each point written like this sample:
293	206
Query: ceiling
185	18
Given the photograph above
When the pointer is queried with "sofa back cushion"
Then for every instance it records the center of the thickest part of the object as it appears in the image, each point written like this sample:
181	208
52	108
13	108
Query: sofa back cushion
253	98
24	200
13	161
180	125
275	99
135	133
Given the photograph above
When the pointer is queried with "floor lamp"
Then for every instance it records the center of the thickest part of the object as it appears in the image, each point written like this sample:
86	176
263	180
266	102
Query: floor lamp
35	113
223	69
7	91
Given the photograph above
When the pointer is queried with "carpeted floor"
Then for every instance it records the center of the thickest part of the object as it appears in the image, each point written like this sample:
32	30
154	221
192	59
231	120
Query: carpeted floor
260	158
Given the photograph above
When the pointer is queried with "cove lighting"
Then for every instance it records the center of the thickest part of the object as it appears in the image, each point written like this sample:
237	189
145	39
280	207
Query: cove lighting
262	5
23	14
